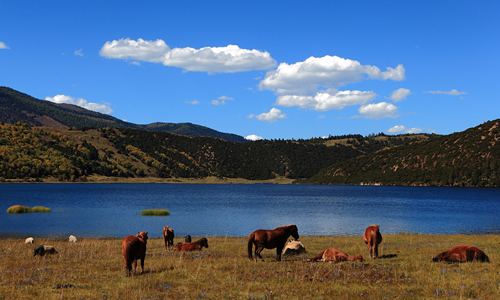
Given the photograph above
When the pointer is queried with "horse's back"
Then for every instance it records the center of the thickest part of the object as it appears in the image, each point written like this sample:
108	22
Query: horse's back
372	235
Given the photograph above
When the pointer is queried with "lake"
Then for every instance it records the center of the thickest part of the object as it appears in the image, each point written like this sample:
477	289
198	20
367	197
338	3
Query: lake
113	210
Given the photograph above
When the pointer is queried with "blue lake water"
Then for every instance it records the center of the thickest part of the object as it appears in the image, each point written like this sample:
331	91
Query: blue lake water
113	210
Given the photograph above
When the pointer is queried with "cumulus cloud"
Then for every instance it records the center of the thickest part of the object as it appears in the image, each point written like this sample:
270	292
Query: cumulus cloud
253	137
102	108
79	52
194	102
327	100
378	111
452	92
221	100
227	59
401	128
304	78
399	94
3	46
272	116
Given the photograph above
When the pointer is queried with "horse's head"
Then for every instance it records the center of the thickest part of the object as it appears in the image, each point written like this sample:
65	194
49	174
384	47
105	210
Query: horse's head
294	232
204	242
359	258
143	235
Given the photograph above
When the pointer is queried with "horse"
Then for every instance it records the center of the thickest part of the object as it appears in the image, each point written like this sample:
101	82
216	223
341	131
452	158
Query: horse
372	237
29	240
187	239
293	248
462	253
134	248
72	238
42	249
270	239
197	245
335	255
168	237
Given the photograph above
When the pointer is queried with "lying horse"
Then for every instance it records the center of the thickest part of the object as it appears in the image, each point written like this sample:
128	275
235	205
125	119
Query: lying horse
335	255
134	248
42	249
198	245
270	239
293	248
168	237
372	237
462	253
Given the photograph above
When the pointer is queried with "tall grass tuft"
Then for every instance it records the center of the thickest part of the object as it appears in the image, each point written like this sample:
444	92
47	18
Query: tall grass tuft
21	209
155	212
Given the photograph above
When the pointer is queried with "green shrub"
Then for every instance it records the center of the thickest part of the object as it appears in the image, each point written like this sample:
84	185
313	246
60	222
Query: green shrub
155	212
21	209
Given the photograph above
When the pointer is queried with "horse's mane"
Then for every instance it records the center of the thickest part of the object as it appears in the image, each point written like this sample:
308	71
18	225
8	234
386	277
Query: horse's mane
286	226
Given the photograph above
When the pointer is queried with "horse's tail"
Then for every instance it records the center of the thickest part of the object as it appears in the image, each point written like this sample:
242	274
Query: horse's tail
251	238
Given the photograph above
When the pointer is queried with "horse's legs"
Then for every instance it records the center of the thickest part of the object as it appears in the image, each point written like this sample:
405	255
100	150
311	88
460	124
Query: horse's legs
375	252
134	264
257	252
278	253
142	264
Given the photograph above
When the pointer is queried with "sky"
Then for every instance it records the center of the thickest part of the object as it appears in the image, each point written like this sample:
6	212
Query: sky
262	69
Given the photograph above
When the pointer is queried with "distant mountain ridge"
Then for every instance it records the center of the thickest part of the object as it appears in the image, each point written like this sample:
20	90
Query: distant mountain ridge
16	107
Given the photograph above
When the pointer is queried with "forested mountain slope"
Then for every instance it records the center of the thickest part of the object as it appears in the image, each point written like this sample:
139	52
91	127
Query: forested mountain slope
18	107
468	158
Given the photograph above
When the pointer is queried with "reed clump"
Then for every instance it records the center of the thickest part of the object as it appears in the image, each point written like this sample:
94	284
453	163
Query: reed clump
93	269
155	212
21	209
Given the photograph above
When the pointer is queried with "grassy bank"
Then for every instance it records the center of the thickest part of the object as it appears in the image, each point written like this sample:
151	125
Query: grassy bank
93	268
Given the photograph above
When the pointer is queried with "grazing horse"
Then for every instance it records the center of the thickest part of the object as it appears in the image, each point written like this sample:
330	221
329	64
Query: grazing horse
198	245
270	239
134	248
293	248
29	240
168	237
335	255
462	253
373	237
42	249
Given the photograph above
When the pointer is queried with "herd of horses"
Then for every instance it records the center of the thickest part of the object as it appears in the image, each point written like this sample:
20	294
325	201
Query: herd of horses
134	247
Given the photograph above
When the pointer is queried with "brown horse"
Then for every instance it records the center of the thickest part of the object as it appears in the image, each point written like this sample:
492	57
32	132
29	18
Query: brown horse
462	253
198	245
372	237
134	248
270	239
335	255
168	237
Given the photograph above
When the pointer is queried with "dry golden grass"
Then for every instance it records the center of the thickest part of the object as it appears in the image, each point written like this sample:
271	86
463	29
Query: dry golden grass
93	269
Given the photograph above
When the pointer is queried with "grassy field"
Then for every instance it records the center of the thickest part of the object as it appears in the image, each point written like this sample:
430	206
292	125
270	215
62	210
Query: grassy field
94	269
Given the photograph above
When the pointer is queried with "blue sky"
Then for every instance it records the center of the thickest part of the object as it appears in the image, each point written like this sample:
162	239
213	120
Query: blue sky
262	69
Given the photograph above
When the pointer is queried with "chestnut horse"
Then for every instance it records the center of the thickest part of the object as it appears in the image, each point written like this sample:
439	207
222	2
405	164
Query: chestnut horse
134	248
168	237
198	245
335	255
462	253
372	237
270	239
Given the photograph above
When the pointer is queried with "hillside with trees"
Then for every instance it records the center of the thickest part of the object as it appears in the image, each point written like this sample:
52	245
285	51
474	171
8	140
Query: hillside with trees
469	158
19	107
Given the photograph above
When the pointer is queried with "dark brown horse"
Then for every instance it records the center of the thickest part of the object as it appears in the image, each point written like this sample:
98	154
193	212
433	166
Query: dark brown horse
197	245
462	253
335	255
270	239
168	237
372	238
134	248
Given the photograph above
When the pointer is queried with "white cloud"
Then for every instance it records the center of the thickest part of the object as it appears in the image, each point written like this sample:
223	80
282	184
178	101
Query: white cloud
399	94
78	52
194	102
401	128
253	137
272	116
227	59
221	100
378	111
321	117
102	108
327	100
3	46
250	116
304	78
452	92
